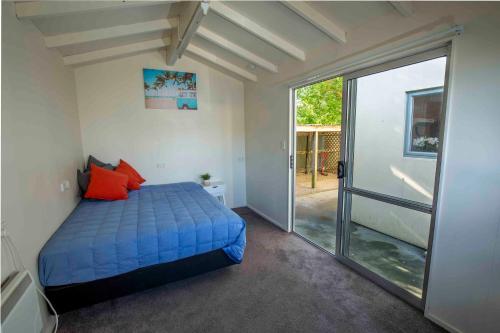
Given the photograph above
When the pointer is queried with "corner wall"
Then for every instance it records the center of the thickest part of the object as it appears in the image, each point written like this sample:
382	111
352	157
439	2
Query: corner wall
41	144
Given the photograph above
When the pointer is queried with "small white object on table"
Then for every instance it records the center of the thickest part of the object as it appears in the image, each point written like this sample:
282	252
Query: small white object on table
217	189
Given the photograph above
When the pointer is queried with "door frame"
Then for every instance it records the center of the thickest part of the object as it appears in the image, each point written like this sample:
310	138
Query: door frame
392	288
348	142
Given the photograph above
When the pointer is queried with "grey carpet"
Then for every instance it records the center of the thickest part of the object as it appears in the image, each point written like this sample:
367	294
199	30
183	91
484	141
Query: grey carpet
283	285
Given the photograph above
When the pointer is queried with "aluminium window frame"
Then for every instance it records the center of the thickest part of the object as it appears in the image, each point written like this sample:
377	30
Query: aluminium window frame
407	152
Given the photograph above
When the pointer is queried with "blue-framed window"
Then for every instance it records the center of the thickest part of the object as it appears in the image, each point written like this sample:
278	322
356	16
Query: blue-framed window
423	113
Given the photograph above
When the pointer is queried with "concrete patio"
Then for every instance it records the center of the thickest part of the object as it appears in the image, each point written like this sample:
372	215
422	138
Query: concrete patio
316	221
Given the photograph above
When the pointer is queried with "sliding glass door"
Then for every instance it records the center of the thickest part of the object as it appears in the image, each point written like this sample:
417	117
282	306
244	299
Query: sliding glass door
392	134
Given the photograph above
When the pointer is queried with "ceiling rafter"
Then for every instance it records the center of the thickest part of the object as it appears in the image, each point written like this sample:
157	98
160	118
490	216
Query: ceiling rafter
221	62
113	52
236	49
251	26
189	20
404	8
43	9
317	19
74	38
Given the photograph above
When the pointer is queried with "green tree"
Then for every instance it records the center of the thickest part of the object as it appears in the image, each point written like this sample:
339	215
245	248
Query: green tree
320	103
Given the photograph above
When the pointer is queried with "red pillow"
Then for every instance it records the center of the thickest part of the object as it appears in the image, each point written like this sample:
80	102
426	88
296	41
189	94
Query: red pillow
128	170
106	184
133	182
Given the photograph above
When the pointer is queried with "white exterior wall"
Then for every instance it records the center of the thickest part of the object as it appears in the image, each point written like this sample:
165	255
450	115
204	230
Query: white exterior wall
165	146
379	161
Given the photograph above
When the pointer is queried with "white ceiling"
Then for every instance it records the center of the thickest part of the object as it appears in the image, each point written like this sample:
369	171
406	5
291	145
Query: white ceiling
274	17
351	14
54	25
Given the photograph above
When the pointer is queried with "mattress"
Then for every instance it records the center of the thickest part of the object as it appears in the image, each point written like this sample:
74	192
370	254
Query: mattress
157	224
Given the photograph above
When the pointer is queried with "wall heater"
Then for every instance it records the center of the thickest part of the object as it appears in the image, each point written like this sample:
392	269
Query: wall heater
20	305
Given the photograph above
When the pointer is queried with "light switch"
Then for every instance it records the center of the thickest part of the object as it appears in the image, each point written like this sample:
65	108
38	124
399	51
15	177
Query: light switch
283	145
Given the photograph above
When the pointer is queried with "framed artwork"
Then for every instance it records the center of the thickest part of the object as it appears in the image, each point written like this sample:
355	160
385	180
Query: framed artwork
170	90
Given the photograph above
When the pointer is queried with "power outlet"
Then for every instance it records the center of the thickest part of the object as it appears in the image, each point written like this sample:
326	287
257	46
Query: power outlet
160	165
64	186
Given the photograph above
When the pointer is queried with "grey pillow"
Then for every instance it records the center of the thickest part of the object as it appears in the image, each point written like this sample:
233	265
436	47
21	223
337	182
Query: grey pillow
93	160
83	179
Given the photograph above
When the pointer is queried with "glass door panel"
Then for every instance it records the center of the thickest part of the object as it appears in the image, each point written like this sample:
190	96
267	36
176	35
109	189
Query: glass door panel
389	240
392	120
384	103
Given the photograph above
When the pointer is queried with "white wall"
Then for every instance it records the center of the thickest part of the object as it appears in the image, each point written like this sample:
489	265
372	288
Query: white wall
115	123
267	162
379	161
41	145
464	285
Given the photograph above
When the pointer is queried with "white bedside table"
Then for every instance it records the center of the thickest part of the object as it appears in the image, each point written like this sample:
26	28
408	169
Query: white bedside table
218	190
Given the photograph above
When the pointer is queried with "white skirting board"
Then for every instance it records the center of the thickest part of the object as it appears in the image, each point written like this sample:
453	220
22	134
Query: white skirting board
50	325
443	324
273	221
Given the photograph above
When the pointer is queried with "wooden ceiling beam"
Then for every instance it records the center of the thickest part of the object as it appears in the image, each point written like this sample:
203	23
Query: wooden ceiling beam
75	38
317	19
44	9
236	49
190	18
251	26
221	62
404	8
104	54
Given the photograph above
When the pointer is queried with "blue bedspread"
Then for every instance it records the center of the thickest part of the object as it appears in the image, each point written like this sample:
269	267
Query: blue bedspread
157	224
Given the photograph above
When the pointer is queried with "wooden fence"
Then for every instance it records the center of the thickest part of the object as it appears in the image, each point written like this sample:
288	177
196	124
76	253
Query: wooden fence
318	150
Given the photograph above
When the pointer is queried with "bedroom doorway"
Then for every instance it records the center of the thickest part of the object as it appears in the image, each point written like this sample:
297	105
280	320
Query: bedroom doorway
317	134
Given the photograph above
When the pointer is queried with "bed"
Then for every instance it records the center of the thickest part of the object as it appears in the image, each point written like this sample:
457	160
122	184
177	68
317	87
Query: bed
162	233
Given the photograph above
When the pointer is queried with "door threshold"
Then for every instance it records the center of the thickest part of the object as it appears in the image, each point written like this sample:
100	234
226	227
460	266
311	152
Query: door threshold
313	244
387	285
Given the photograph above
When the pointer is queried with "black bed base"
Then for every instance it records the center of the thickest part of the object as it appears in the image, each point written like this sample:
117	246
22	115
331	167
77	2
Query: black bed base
73	296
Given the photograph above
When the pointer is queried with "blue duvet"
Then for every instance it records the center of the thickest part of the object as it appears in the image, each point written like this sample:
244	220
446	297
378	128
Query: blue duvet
157	224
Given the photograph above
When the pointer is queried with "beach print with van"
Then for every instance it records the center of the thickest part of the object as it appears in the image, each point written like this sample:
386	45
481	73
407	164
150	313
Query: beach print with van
170	90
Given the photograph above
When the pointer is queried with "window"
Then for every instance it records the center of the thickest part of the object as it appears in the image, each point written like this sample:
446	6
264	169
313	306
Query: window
422	122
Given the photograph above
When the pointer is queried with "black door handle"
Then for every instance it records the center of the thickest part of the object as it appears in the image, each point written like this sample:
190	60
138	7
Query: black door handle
340	169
